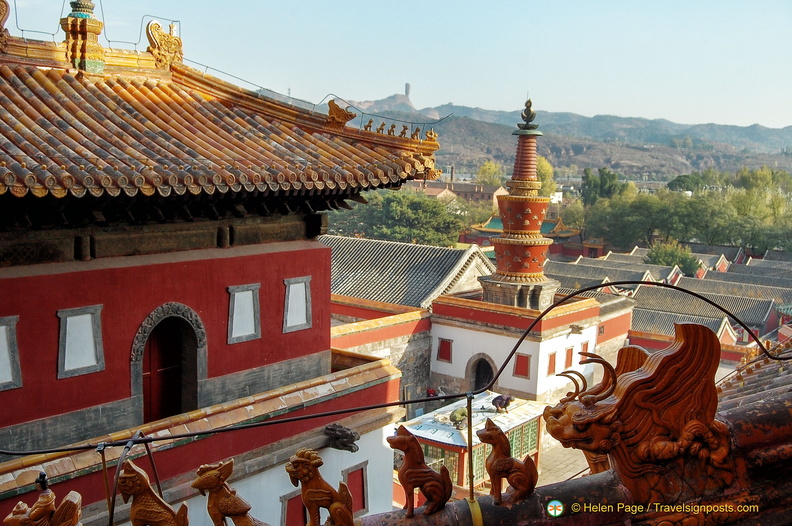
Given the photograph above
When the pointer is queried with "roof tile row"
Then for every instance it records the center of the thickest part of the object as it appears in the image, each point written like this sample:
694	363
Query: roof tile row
61	135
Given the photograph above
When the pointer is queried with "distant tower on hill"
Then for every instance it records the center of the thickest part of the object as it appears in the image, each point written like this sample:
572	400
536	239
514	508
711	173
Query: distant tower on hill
521	251
407	89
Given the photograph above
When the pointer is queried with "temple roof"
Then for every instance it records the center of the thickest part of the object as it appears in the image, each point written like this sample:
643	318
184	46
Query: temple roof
138	126
718	283
558	268
400	273
658	322
752	311
776	281
658	272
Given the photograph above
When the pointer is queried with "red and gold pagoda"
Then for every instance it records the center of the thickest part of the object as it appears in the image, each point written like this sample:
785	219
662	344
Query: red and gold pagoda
521	251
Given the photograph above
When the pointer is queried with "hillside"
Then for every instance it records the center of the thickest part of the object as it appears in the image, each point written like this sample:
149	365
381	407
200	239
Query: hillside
639	148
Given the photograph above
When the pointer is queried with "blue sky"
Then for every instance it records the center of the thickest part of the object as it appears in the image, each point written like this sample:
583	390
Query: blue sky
699	61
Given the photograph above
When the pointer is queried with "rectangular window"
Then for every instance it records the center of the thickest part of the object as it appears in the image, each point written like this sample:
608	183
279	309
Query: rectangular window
570	355
297	310
583	348
601	329
80	342
293	513
244	313
10	374
551	368
356	479
522	366
444	350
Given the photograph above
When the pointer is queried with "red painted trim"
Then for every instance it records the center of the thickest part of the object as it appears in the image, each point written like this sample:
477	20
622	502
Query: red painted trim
379	334
517	321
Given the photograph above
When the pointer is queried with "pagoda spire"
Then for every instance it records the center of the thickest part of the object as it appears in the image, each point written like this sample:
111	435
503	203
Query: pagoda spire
521	250
82	30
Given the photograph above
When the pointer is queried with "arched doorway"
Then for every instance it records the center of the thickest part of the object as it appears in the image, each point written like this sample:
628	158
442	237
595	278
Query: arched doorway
483	374
168	362
169	382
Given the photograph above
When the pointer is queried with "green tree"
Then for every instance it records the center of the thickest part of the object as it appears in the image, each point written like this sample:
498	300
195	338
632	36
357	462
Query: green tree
409	217
672	253
475	212
711	219
604	184
490	173
590	187
544	171
689	183
573	214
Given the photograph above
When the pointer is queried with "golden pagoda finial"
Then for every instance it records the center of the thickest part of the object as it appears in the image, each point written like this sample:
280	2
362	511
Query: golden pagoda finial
528	115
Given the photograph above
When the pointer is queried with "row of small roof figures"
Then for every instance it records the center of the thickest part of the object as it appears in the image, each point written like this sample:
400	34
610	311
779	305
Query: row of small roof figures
149	508
431	135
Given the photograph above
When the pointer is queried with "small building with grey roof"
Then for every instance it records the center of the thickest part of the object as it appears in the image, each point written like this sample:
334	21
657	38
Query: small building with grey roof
402	273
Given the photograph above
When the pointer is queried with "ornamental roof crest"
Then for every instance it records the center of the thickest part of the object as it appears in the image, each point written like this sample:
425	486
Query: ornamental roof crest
166	47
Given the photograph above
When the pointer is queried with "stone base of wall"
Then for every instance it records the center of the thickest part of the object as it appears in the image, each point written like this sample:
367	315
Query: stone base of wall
245	383
69	428
411	355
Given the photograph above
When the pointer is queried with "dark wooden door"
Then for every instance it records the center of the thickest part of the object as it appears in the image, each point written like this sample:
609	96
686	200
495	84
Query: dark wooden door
162	372
484	374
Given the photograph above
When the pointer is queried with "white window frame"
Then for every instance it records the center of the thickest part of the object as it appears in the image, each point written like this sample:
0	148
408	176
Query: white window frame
305	281
9	352
63	341
363	466
256	333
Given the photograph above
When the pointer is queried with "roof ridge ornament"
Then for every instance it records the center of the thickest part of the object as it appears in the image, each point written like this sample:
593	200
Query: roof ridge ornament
337	117
82	30
166	47
4	12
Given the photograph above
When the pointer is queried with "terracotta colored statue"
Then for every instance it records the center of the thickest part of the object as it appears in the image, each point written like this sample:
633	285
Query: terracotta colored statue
43	511
223	501
303	469
414	473
656	423
501	465
148	508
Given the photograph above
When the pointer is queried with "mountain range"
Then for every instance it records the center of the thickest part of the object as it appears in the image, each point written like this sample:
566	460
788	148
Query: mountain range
649	149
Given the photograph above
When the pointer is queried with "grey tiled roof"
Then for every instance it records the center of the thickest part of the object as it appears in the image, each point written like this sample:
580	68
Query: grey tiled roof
638	254
658	272
714	284
749	279
777	255
608	302
400	273
555	269
758	270
572	283
752	311
659	322
731	253
624	258
769	263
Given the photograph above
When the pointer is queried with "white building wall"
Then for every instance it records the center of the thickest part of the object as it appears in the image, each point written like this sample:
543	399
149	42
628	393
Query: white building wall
468	342
263	490
550	382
